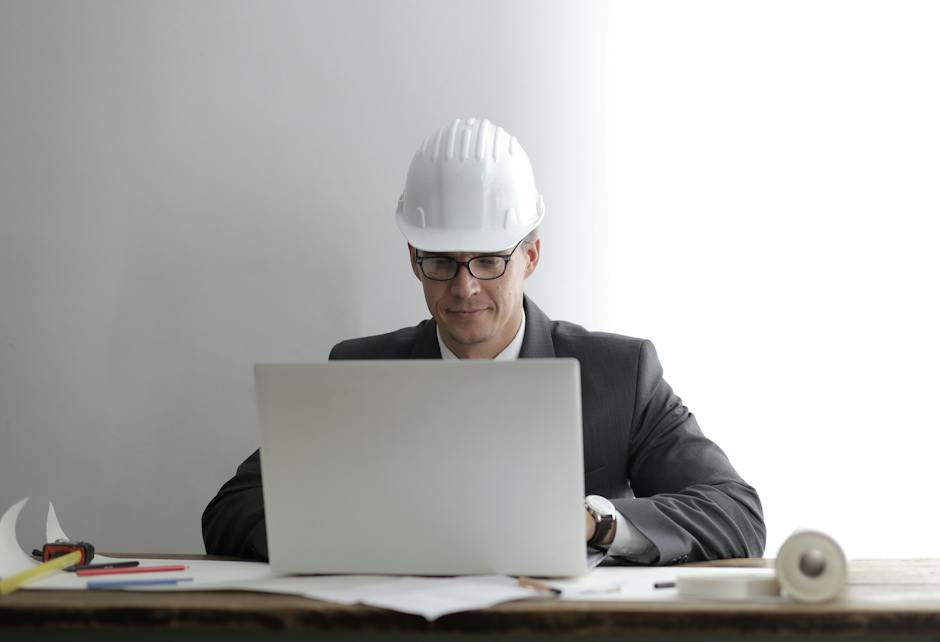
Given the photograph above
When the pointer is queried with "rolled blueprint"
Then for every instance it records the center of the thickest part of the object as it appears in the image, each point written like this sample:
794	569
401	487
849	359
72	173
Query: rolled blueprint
811	567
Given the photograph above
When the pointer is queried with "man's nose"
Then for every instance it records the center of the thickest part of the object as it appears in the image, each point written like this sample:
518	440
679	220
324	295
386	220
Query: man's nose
464	284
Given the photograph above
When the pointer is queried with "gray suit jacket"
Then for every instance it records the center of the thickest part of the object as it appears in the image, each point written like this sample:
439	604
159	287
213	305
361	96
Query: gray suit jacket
689	501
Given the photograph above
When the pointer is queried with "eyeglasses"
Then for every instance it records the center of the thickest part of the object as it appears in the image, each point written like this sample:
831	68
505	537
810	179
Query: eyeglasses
485	267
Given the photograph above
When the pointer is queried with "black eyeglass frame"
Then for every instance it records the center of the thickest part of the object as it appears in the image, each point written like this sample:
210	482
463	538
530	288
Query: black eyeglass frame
505	257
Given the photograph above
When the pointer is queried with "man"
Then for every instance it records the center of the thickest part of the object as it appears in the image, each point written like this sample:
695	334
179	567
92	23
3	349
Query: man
659	492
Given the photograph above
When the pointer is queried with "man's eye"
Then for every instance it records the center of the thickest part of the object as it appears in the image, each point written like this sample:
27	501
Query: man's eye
436	263
489	261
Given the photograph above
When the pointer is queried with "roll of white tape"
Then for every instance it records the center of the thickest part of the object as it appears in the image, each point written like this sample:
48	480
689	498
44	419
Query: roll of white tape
739	586
811	567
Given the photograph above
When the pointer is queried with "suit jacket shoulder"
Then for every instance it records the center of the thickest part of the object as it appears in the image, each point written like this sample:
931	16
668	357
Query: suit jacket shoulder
575	339
551	338
400	344
631	361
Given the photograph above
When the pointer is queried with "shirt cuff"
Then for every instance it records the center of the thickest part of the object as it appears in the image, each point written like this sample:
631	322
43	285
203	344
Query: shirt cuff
630	543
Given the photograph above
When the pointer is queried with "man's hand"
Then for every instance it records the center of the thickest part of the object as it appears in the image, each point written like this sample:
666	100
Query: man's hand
589	525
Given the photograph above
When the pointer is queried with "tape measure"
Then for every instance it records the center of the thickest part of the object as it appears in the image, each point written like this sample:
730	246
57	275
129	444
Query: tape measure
62	547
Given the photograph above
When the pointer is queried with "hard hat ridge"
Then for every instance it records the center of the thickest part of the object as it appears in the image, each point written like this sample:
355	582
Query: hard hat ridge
470	187
460	136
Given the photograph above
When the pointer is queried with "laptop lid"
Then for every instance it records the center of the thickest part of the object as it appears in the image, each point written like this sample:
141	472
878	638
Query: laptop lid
423	467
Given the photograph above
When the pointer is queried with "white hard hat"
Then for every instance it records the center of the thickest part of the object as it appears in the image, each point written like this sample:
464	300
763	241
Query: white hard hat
470	188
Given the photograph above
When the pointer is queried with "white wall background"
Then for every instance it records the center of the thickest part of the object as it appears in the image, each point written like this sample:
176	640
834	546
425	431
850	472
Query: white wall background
187	188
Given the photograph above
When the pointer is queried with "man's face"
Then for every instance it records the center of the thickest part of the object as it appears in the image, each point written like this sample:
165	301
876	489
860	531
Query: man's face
478	318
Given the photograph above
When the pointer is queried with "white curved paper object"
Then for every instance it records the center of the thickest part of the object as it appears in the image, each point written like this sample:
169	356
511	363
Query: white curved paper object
54	530
13	559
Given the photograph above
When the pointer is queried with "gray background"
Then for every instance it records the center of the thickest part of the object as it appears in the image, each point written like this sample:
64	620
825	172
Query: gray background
187	188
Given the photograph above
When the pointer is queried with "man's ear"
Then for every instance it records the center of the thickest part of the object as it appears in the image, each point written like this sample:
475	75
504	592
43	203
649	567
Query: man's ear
411	257
532	252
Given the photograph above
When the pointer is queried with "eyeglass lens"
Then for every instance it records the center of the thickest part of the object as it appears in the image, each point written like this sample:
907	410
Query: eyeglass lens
481	267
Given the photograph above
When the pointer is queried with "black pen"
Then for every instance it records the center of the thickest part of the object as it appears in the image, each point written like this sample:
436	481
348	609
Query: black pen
659	585
88	567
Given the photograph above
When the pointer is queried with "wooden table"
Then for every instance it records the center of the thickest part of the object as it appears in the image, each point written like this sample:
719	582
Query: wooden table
885	599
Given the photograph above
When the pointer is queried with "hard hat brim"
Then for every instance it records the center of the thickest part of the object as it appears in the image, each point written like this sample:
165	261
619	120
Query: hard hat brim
430	240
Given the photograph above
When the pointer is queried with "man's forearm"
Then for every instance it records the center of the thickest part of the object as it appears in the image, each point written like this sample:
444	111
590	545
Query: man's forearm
700	523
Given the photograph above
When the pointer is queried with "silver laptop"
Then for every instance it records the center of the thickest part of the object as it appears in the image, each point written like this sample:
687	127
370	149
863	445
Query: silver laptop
423	467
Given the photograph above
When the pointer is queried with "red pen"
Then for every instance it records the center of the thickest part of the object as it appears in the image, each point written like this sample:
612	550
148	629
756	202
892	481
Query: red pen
138	569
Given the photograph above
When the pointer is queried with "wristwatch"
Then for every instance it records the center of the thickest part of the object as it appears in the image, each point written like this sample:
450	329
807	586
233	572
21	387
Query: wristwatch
605	518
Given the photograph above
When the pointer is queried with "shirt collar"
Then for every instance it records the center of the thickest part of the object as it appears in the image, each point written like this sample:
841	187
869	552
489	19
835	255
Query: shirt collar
509	353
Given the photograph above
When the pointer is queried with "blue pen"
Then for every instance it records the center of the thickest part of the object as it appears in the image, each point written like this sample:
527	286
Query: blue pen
109	584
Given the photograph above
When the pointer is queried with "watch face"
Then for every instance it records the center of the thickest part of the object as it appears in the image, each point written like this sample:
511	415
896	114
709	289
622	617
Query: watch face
600	505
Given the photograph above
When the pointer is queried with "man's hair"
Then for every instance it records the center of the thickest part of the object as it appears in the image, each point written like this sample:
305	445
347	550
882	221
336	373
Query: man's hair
531	237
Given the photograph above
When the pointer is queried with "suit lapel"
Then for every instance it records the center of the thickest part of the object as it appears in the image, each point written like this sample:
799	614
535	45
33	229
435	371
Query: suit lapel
537	342
427	347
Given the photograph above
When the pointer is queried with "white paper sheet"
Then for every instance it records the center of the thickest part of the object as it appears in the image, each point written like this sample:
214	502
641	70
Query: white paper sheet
206	576
332	588
432	597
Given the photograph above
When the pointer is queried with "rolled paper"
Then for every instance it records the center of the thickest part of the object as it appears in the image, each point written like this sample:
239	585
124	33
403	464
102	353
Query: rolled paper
811	567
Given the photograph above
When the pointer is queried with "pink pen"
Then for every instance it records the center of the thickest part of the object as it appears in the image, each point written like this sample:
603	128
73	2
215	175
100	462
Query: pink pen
137	569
